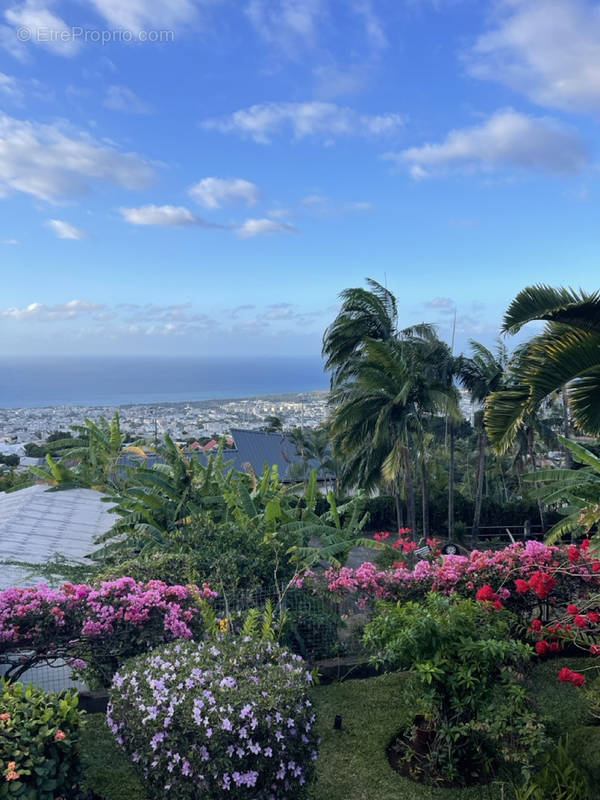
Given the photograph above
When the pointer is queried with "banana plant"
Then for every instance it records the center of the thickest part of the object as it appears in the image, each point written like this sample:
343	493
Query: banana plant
160	499
575	491
329	536
93	464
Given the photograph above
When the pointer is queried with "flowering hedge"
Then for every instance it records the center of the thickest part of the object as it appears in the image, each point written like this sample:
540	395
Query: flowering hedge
555	590
228	718
39	733
519	577
95	628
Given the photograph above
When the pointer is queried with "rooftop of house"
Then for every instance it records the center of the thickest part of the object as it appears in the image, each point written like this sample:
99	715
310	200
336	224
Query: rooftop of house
36	524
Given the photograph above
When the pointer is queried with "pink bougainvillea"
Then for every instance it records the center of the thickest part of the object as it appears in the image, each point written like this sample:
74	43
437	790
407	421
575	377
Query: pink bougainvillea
537	582
84	623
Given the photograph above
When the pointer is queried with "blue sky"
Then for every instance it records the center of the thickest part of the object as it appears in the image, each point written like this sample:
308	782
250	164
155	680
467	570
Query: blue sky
205	176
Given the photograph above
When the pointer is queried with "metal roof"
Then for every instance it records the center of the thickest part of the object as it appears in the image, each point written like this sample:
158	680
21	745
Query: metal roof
258	448
35	524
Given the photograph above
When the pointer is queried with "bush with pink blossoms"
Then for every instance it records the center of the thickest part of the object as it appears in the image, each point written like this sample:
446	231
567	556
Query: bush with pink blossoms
227	718
521	577
95	628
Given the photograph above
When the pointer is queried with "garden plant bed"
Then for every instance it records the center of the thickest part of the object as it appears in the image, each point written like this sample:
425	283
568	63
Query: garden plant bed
416	740
353	762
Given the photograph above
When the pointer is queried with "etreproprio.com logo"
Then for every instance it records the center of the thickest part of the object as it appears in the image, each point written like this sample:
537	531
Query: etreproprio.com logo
93	35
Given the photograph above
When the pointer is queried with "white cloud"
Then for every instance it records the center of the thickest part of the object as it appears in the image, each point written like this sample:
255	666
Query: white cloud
314	199
373	26
64	230
285	22
45	28
120	98
9	241
52	161
45	313
165	216
137	15
216	192
322	206
260	227
260	122
360	205
506	139
335	81
548	50
9	88
91	320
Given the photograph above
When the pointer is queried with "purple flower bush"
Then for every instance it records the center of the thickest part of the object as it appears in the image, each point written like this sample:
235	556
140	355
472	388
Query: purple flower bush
227	718
95	628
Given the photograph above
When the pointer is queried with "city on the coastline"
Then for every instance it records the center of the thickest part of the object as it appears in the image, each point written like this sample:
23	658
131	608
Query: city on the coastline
181	421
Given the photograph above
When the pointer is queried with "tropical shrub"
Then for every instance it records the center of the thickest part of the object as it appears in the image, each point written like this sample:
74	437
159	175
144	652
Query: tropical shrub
39	735
559	778
522	577
95	628
227	718
464	671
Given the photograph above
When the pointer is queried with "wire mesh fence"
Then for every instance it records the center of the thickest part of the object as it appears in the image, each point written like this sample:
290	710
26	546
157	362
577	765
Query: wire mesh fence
314	627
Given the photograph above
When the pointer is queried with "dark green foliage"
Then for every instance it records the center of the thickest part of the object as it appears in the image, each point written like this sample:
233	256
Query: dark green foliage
33	450
40	735
382	513
584	748
311	627
464	686
560	777
561	707
12	481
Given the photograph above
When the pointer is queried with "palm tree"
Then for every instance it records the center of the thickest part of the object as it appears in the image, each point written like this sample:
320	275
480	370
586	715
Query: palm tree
317	450
364	315
565	354
384	383
273	424
481	374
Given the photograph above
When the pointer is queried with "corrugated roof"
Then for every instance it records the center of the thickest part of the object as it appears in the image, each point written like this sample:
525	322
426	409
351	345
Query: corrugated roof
259	448
36	524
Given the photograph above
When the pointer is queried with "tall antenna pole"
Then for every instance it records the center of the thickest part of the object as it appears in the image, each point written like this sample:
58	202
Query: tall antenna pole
453	331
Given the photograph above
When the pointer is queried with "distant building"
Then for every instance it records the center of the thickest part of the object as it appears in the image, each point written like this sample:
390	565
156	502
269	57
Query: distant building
258	448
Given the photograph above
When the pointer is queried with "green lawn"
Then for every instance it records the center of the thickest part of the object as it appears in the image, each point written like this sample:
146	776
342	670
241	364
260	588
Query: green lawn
352	762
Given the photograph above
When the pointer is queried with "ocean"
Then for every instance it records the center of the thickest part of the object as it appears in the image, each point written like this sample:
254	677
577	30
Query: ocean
31	382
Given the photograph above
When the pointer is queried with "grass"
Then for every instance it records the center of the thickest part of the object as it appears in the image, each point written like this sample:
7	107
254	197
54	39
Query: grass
105	767
352	762
561	707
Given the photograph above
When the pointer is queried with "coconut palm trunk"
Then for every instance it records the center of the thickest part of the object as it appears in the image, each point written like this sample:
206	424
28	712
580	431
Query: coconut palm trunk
409	491
424	488
479	483
451	474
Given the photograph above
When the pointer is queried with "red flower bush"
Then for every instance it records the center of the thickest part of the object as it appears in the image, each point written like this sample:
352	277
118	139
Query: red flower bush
567	675
533	580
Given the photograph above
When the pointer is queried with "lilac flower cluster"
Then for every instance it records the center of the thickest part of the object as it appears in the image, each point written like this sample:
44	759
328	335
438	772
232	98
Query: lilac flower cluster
228	718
